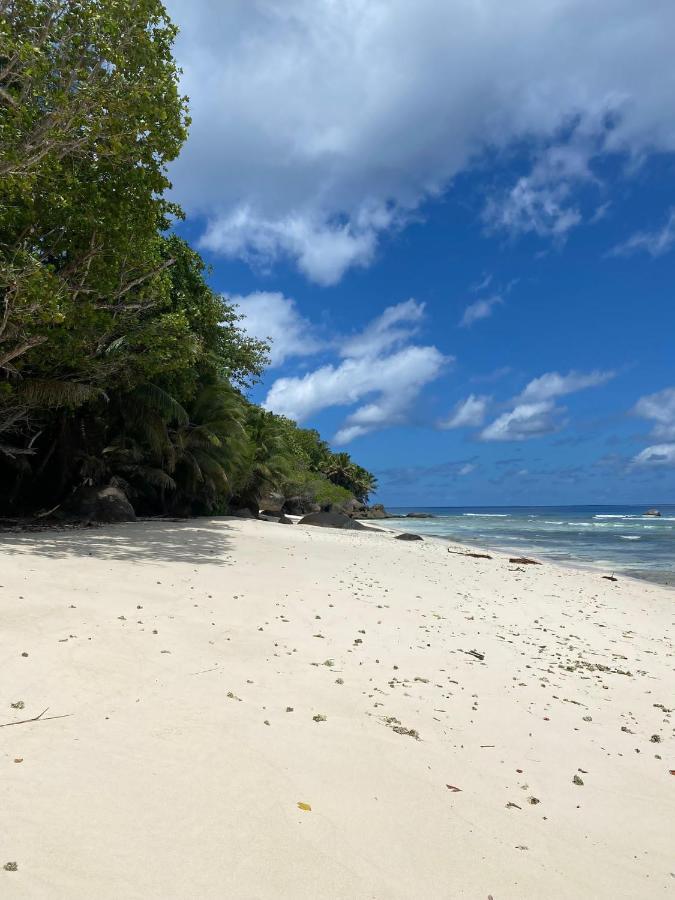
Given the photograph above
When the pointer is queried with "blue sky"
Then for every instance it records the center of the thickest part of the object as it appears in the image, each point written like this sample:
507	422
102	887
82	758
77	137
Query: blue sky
459	229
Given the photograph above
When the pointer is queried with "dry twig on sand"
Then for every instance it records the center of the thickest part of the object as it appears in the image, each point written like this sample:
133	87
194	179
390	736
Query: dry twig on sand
35	719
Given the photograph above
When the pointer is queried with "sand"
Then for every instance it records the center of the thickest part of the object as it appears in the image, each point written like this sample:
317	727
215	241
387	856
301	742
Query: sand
213	675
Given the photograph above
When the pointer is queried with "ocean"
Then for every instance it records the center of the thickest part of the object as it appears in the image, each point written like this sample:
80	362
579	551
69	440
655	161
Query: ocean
617	539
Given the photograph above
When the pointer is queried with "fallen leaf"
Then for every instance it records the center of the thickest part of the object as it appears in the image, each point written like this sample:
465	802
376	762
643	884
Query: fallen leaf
19	759
451	787
305	806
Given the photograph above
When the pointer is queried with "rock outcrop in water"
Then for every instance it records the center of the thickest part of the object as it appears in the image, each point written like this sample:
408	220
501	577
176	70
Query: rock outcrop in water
653	512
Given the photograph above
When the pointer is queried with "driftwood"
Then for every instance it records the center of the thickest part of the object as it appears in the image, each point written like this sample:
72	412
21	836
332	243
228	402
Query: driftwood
468	553
35	719
524	561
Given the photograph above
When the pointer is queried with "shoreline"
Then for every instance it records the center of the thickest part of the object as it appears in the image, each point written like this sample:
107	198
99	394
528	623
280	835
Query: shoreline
651	575
217	676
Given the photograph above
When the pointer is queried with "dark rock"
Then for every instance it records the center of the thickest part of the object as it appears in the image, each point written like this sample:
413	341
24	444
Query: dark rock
407	536
420	515
524	561
272	504
299	506
331	520
653	512
245	514
284	520
377	511
101	504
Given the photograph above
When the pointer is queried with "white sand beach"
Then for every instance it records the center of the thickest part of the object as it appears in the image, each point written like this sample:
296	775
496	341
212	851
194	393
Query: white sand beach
202	679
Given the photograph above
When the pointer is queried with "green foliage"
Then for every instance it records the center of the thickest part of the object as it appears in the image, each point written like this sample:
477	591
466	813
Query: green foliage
118	362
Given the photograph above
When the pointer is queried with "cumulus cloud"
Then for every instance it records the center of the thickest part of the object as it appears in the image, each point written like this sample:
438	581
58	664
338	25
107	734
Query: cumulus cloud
379	369
656	243
273	317
480	309
657	455
524	421
660	409
534	411
397	379
541	202
553	384
469	413
319	127
396	325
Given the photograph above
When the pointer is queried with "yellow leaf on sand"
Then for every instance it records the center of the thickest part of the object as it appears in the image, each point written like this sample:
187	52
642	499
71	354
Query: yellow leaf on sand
305	806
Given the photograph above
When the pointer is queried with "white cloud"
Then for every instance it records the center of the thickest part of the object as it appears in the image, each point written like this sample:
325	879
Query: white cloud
526	420
553	384
394	379
481	309
541	202
468	413
656	243
534	411
323	253
660	408
467	469
658	455
396	325
318	127
275	317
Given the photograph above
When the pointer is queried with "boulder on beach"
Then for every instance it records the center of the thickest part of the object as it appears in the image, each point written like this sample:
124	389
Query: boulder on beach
408	536
331	520
653	512
299	506
376	511
245	513
284	520
101	504
272	504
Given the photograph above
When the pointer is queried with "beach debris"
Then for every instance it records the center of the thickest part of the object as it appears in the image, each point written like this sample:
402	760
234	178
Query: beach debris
35	719
524	561
233	696
477	654
533	801
672	771
511	805
10	867
339	681
470	553
453	788
24	653
588	718
266	722
577	779
305	807
409	732
328	662
18	705
319	717
611	577
655	739
289	709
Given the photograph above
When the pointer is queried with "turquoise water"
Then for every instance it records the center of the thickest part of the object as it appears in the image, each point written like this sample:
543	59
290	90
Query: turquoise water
616	538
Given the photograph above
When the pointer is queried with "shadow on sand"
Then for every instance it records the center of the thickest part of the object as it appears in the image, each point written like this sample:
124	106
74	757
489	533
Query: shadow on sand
196	541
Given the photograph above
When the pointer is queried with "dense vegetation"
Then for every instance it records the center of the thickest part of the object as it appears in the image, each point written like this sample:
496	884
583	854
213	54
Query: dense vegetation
118	363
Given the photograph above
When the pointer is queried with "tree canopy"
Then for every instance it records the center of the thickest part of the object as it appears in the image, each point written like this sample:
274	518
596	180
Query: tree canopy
118	362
